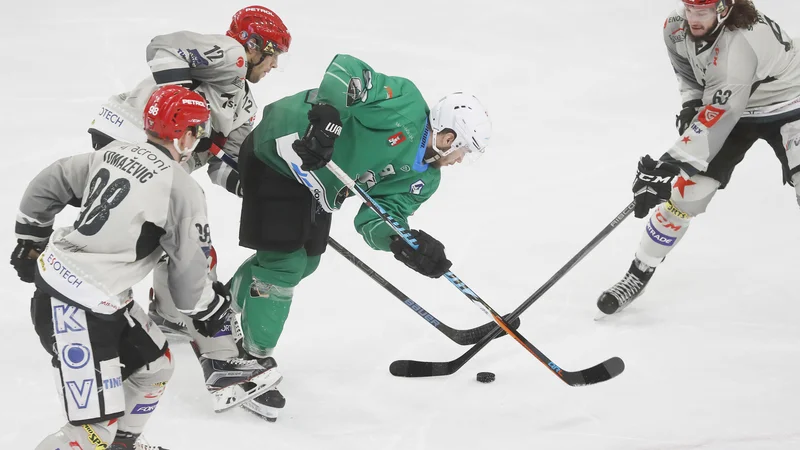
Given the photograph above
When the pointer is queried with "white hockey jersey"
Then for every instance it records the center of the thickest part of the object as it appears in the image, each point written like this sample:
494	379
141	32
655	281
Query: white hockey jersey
215	66
744	74
136	203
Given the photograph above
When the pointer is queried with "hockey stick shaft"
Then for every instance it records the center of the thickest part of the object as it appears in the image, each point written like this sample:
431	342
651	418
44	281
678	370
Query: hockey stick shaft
461	286
410	368
460	337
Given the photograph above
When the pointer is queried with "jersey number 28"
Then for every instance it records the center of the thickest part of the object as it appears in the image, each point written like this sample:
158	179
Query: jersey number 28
91	219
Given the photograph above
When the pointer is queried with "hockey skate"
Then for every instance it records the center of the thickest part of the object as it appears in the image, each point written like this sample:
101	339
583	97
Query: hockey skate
626	290
267	405
174	332
237	380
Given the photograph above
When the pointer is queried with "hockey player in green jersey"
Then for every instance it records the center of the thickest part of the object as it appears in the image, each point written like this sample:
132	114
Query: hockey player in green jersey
376	128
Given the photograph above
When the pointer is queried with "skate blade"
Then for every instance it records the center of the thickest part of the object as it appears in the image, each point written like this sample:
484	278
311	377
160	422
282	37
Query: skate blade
600	316
234	395
262	412
173	336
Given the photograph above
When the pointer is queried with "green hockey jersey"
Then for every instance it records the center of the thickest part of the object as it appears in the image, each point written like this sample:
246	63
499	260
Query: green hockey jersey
382	145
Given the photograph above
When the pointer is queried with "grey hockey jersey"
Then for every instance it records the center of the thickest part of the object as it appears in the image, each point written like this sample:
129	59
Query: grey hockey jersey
216	67
136	202
744	74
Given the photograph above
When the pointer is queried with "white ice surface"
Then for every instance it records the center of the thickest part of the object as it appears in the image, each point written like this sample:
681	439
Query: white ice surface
578	90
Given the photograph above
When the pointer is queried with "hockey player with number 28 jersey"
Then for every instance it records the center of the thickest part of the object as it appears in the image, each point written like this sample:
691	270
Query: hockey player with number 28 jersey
136	203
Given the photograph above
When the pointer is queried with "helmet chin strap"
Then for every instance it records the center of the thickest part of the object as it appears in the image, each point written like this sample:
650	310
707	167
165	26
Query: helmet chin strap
250	65
439	153
184	153
721	20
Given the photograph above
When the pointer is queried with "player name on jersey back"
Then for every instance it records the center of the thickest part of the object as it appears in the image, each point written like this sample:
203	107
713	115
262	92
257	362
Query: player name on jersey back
131	164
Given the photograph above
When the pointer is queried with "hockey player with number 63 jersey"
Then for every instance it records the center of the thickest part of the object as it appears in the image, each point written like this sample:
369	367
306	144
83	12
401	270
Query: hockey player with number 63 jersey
739	78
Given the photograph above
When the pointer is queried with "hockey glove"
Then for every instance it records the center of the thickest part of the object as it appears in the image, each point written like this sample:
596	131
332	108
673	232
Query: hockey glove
316	146
652	185
687	114
23	258
217	315
428	258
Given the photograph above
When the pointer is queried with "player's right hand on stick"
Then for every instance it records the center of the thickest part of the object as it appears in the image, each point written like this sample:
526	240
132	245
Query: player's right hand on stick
428	258
315	148
652	185
23	258
214	318
687	114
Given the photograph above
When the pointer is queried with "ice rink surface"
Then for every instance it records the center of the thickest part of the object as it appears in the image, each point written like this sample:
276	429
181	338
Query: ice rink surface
577	92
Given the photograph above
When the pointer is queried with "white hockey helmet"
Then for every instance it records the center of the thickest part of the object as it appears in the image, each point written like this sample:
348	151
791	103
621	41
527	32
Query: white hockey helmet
467	117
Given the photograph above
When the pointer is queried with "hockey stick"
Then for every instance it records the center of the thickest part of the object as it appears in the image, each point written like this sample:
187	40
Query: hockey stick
460	337
410	368
596	374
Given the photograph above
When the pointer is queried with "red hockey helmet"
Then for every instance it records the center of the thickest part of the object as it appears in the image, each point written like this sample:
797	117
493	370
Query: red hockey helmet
263	27
719	5
172	110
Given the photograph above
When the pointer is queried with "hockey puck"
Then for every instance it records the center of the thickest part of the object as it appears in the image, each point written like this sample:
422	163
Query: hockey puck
485	377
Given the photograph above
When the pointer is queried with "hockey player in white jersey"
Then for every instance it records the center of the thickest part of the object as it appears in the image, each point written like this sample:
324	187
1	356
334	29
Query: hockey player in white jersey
739	78
136	202
219	68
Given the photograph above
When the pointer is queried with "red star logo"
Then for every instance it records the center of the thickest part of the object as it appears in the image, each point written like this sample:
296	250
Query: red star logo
686	140
681	184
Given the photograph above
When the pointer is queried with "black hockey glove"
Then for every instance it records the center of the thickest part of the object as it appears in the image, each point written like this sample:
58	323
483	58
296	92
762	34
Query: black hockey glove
428	258
316	146
652	185
216	316
205	143
23	258
687	114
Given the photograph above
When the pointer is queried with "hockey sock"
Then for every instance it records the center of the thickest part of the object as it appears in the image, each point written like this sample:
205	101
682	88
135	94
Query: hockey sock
665	227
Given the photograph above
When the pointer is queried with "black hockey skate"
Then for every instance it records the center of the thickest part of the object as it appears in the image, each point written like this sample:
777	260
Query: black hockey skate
174	332
237	380
130	441
267	405
626	290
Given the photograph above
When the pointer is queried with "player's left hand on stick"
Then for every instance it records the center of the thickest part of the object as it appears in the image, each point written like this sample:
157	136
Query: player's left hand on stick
23	258
652	185
428	258
214	318
315	148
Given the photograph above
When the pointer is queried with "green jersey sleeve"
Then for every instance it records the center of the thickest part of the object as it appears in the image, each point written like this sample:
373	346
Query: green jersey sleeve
400	195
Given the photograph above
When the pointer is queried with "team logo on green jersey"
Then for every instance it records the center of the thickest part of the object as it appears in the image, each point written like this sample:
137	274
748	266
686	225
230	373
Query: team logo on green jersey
416	187
397	139
358	89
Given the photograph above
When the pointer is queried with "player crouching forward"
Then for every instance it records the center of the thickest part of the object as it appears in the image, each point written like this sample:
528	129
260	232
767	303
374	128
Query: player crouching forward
221	68
136	202
385	137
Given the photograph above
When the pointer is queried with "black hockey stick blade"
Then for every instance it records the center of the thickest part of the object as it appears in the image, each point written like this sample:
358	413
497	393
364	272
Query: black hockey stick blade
474	335
604	371
414	369
461	337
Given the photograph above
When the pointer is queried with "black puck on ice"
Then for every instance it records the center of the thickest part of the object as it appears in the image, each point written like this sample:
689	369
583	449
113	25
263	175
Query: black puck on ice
485	377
